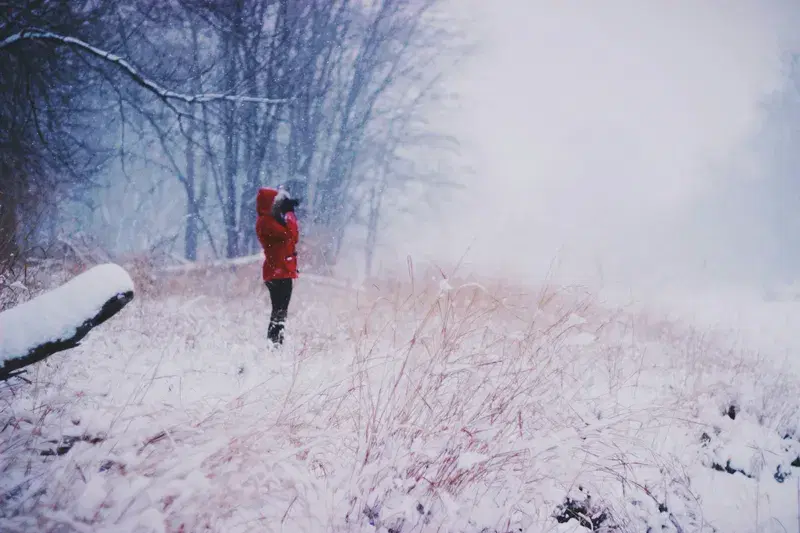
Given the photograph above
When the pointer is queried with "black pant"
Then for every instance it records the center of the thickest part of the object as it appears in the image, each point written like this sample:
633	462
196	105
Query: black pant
280	292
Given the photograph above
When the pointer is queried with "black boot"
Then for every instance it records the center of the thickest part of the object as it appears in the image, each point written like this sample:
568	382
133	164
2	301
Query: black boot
275	332
280	292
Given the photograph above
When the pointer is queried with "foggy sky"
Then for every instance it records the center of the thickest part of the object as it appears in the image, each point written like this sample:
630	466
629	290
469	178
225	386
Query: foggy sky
609	136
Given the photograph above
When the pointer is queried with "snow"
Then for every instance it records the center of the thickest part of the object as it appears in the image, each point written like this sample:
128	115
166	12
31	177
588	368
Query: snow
469	459
250	260
447	411
56	314
132	72
444	286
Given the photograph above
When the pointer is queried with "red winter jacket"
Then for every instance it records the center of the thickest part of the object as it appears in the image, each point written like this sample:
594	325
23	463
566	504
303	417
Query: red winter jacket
278	240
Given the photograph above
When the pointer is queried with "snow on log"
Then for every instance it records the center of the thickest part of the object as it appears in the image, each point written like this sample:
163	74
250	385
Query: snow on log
187	267
59	319
219	263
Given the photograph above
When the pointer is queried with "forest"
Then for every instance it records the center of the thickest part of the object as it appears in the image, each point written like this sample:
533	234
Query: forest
146	127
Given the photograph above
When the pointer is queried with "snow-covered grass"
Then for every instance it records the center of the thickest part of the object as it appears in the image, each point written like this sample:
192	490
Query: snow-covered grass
406	406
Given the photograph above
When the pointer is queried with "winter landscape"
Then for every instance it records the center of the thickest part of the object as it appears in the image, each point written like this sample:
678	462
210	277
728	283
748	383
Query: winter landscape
545	278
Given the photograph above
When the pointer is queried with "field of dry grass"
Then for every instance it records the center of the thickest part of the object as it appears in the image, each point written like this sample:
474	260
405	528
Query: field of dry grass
411	404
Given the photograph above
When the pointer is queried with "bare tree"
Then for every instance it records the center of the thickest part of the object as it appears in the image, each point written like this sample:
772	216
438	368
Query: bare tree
65	46
49	148
322	95
390	163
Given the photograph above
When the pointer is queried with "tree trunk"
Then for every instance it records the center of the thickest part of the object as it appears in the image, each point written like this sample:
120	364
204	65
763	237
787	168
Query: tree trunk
373	219
192	205
9	246
192	211
230	133
247	205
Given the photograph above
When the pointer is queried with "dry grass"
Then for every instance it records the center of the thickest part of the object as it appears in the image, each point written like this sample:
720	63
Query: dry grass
413	404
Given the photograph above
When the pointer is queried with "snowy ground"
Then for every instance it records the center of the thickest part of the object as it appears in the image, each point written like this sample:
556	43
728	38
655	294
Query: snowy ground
407	407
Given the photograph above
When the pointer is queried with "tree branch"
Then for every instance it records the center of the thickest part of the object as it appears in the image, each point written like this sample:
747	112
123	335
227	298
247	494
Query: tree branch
133	73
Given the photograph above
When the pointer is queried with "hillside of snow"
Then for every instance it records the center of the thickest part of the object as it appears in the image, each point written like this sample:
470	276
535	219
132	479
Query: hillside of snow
407	405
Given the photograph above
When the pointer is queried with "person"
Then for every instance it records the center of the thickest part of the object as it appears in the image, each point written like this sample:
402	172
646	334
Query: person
278	233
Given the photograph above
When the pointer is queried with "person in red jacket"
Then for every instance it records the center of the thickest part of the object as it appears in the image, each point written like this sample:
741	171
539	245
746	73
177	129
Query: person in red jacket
278	233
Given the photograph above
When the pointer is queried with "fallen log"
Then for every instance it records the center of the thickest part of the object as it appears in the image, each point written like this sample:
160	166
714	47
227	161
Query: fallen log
188	267
59	319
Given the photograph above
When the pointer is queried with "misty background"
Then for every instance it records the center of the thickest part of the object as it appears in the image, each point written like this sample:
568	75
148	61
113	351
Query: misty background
631	142
621	143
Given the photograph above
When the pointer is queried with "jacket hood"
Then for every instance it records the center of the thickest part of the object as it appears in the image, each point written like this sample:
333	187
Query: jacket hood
264	200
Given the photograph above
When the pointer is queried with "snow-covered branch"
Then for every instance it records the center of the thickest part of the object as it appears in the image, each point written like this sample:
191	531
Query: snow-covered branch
132	72
59	319
223	264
